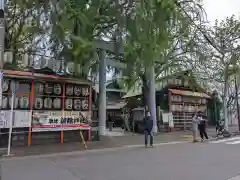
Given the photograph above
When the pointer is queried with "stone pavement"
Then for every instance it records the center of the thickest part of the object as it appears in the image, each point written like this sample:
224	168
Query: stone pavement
107	142
185	161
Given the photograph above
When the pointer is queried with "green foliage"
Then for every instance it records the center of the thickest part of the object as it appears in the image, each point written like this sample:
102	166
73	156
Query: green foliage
67	28
161	34
22	26
220	59
74	27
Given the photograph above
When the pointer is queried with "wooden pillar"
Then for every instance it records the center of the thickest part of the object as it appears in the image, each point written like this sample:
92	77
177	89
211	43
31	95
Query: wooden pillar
63	112
32	95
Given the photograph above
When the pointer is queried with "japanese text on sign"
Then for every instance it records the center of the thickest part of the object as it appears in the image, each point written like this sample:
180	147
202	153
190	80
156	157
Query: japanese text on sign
65	120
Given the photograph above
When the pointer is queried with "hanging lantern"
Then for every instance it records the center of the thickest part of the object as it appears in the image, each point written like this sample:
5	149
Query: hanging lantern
5	85
85	91
57	89
84	104
25	60
57	103
48	88
39	88
48	103
24	102
8	57
77	104
69	104
4	102
69	90
77	90
38	103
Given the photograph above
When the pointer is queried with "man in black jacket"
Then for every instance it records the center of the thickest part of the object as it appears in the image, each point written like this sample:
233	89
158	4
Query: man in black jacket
148	126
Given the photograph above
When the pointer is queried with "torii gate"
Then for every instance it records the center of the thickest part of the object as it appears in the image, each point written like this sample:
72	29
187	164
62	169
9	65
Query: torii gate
103	62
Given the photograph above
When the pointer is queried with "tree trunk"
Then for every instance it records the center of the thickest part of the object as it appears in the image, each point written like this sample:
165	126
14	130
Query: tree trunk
145	92
152	96
149	94
225	111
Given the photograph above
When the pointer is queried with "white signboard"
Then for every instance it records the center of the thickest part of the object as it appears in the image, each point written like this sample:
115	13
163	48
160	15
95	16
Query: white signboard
20	119
55	121
168	118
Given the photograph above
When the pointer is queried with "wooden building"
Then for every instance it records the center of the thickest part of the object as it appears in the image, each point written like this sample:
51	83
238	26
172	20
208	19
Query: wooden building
46	108
115	103
179	95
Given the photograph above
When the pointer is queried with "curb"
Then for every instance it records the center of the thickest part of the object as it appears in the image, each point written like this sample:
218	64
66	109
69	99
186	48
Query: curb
212	137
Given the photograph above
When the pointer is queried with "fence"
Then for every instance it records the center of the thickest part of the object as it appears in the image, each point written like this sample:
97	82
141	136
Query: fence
182	121
178	121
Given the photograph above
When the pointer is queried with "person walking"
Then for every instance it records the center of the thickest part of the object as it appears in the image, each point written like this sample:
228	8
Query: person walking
148	126
202	126
110	122
195	127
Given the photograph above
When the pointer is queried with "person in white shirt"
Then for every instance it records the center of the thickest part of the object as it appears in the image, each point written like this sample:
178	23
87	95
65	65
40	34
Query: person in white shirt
195	122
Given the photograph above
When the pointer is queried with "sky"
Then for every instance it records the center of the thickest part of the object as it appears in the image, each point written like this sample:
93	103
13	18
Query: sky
219	9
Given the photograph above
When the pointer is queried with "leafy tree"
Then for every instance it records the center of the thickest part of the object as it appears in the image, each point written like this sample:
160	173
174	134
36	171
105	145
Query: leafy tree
220	57
75	25
23	26
160	34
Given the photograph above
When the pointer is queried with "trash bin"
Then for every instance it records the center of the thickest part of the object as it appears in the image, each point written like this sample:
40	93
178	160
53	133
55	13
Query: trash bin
110	126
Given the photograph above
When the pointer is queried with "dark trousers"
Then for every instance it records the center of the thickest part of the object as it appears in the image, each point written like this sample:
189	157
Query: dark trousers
110	126
148	133
202	131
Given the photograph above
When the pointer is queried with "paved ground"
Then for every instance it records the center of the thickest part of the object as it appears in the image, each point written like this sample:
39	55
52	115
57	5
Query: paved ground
105	142
108	142
216	160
